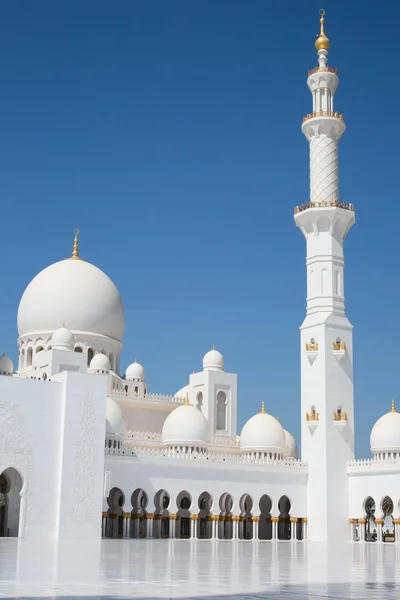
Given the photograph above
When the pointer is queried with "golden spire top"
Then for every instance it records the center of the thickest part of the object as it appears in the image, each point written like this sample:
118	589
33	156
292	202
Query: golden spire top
187	399
393	407
75	250
262	408
322	42
213	347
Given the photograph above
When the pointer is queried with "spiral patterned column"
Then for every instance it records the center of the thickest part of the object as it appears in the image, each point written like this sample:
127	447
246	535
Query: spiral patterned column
324	169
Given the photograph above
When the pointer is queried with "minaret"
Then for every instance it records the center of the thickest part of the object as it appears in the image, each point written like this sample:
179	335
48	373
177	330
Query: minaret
327	415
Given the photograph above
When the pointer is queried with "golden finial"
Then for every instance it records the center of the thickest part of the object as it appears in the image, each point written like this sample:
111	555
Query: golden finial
262	408
393	407
322	42
213	347
63	325
187	399
75	253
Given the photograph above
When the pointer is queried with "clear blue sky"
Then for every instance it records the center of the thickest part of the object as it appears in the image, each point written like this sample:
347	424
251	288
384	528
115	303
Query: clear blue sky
169	132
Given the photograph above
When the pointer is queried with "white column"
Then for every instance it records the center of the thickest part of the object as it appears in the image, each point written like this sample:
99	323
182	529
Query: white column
103	524
293	522
351	522
274	528
127	521
149	518
362	529
235	521
172	525
379	529
215	527
256	521
193	526
305	525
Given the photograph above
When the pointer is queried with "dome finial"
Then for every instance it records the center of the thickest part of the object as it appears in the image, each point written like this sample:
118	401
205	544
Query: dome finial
262	408
75	251
322	42
393	407
187	399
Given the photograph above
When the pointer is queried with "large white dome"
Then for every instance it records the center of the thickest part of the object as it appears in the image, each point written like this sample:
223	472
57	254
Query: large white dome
263	433
385	434
76	293
186	426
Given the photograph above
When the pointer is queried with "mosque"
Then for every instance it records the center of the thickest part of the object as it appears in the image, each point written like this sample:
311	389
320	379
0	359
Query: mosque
87	452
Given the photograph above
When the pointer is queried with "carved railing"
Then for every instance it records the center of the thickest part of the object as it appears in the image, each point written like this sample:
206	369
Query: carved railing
219	440
323	204
150	436
373	462
146	397
204	457
323	113
323	70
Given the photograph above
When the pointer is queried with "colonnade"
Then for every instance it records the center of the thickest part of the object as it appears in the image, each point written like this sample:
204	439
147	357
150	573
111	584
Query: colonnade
150	525
358	531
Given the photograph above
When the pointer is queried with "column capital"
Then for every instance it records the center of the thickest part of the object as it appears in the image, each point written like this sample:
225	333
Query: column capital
351	521
214	517
293	519
379	521
362	521
150	516
104	515
235	518
194	517
305	520
126	515
255	519
275	519
172	516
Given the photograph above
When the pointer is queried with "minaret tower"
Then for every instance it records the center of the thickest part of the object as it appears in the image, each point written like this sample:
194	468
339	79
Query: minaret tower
327	428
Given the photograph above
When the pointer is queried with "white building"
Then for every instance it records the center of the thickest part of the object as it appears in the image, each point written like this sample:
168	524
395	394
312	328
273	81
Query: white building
86	452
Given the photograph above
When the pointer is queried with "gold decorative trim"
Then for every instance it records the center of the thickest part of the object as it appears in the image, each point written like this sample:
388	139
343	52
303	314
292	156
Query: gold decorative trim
194	517
312	416
323	113
324	204
255	519
293	519
338	345
362	521
104	515
325	69
340	416
305	520
275	519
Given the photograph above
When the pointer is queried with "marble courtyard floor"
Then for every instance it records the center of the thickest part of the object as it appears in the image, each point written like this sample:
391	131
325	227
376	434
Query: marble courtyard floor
199	569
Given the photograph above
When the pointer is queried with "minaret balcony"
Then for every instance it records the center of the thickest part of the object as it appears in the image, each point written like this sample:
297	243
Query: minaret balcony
323	113
325	69
323	204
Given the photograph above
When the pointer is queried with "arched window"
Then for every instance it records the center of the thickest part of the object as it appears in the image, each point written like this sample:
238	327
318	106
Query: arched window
78	349
126	389
221	411
199	400
10	489
29	357
136	389
44	376
90	354
111	358
39	349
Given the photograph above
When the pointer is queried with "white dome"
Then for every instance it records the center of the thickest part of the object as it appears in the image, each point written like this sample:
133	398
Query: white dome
385	434
6	365
63	339
100	363
115	417
135	371
185	426
75	292
291	445
182	392
213	361
263	433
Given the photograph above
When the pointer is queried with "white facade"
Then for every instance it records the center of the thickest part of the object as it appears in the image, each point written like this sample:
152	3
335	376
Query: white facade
117	460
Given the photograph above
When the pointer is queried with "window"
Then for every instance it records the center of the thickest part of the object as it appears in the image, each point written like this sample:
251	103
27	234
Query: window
221	411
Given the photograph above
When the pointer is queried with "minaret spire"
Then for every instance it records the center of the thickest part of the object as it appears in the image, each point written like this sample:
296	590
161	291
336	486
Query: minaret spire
75	248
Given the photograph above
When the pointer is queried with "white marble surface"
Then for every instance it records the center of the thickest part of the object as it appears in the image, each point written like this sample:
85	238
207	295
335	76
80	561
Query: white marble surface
199	569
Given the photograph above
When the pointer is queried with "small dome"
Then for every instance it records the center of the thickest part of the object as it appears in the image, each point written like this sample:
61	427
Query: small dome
291	445
63	339
385	434
115	417
213	361
183	392
6	366
135	371
100	363
185	426
263	433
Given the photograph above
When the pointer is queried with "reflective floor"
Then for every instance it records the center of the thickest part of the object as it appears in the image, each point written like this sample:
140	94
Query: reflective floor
199	569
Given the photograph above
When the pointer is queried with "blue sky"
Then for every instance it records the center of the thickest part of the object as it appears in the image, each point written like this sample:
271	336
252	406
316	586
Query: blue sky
169	132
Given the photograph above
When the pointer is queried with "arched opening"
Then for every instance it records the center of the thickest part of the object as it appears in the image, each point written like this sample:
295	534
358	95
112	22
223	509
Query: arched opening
183	503
111	358
29	355
22	359
246	523
39	349
265	525
199	401
370	521
388	531
225	524
136	389
221	411
115	518
90	355
10	489
126	388
161	515
204	530
139	514
78	349
284	519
